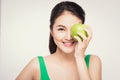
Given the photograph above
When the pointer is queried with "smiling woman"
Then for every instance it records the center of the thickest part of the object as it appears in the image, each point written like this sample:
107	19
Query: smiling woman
67	60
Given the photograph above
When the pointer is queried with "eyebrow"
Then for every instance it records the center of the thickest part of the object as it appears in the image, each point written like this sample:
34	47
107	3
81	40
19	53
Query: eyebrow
60	26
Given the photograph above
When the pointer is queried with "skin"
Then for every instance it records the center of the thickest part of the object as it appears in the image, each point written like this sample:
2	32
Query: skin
67	63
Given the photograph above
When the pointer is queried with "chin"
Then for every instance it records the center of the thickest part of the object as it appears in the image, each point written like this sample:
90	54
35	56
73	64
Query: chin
68	51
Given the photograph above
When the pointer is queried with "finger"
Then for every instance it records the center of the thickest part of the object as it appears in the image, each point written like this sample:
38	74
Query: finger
78	39
82	35
81	44
89	31
84	38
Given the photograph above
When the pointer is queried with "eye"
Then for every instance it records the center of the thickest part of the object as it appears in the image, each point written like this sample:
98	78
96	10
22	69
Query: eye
61	29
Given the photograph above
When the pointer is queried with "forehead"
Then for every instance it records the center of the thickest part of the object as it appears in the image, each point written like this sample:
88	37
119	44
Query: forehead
67	19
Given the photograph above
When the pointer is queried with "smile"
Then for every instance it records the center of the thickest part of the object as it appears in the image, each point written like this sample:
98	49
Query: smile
68	44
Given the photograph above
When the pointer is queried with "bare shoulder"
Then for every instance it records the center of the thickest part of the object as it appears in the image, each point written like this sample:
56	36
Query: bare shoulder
29	70
95	67
34	61
95	59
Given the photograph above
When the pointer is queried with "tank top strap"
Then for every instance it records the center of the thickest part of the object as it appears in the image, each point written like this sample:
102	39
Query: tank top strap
43	70
87	60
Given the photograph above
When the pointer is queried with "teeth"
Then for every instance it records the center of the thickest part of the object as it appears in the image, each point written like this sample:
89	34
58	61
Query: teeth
68	43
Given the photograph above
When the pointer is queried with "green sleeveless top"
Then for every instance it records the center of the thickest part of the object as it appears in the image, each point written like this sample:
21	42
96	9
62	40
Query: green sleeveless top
44	75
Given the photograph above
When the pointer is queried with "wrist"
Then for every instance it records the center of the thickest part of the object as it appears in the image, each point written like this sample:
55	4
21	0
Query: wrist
79	55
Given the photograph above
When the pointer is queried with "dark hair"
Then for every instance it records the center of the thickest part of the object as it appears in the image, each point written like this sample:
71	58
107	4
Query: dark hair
72	7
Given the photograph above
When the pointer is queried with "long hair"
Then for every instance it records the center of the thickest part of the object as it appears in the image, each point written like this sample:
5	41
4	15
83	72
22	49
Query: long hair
59	8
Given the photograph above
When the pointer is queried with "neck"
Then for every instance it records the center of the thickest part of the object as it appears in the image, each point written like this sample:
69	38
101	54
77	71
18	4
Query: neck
64	57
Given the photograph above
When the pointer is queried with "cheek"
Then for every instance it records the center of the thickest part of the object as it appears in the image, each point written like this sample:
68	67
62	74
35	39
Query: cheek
59	36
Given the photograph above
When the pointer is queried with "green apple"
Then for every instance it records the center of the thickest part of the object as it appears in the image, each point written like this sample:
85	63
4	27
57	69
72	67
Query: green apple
78	28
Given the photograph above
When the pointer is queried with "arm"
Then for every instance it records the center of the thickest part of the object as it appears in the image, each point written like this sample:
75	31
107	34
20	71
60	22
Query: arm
82	69
94	71
95	68
28	72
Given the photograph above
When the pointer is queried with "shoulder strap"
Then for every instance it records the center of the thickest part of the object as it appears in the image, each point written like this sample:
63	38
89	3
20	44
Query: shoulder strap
43	71
87	60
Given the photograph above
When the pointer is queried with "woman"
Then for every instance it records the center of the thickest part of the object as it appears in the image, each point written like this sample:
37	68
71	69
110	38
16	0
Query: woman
67	60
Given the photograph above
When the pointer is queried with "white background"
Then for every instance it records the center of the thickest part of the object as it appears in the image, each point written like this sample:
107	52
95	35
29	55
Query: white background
25	34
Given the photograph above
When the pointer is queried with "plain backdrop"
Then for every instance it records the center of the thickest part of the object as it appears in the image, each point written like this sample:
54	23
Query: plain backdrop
25	34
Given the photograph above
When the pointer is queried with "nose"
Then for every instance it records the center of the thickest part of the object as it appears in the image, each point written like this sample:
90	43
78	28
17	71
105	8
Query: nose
68	35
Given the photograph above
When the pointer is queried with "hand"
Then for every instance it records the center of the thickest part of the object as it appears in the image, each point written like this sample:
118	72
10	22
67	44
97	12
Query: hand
81	45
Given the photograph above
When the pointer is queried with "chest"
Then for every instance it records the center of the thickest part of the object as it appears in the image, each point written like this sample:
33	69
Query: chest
58	72
52	70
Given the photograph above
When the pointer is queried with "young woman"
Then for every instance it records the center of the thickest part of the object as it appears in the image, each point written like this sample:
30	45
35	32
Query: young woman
68	60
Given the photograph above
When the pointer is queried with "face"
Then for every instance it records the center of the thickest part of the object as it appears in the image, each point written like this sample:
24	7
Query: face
61	32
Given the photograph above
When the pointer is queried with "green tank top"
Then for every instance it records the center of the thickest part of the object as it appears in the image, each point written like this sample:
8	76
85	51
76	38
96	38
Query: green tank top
44	75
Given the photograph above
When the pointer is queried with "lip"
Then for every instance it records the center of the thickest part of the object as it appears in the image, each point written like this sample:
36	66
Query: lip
68	44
